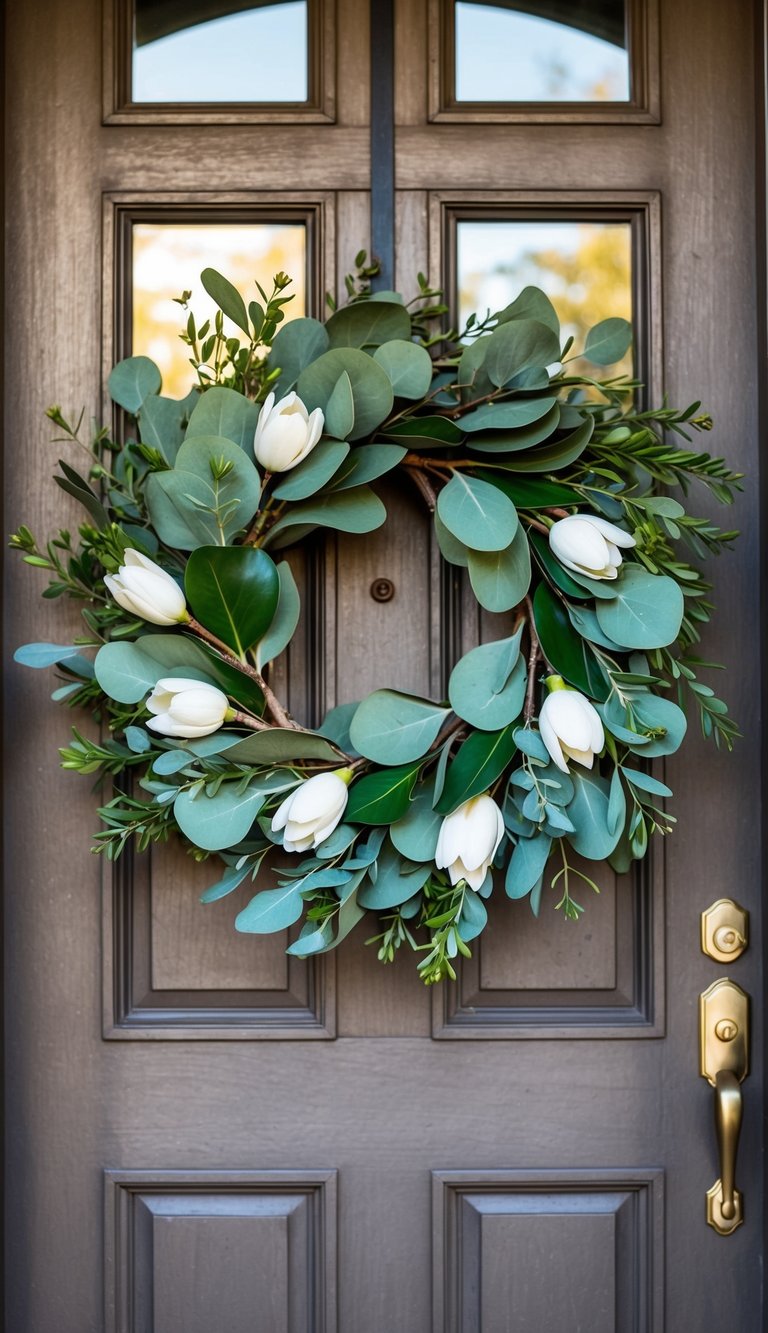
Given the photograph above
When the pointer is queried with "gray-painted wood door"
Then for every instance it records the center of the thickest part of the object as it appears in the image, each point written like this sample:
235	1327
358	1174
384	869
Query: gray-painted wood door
201	1138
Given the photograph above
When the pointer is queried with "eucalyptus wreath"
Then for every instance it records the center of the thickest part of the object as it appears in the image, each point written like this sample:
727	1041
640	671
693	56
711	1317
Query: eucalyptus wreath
549	491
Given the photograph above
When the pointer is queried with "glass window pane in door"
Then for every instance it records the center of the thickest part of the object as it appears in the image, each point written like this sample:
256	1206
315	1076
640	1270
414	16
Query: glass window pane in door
220	51
542	51
168	259
585	268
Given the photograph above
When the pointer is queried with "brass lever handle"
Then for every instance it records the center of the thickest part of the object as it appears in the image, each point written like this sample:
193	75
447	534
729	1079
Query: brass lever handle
724	1033
729	1105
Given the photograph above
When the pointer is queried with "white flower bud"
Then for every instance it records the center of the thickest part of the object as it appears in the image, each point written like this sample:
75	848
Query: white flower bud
285	433
468	840
311	812
570	728
186	708
143	588
589	545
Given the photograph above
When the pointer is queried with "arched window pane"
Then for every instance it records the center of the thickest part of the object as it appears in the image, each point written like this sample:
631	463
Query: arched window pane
545	51
220	51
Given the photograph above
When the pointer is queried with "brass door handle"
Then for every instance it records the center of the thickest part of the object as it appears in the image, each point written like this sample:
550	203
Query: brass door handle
729	1105
724	1036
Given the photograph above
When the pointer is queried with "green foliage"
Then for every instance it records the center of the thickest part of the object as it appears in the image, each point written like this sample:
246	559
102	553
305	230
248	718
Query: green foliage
500	443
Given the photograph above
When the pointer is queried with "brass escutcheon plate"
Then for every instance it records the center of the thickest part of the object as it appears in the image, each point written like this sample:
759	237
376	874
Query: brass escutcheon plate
723	1030
722	1225
724	930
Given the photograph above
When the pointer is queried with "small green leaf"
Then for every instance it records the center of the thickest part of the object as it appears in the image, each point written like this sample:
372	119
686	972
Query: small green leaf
532	303
500	579
415	835
223	412
487	686
507	416
393	884
368	324
408	366
357	510
227	298
608	341
271	910
526	865
210	494
340	408
365	463
426	433
588	812
296	345
219	821
371	389
314	472
133	380
518	345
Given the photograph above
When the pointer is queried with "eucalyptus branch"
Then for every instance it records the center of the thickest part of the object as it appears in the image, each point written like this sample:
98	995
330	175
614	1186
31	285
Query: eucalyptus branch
535	656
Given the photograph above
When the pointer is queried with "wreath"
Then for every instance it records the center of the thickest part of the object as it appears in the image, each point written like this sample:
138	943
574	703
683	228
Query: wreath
549	490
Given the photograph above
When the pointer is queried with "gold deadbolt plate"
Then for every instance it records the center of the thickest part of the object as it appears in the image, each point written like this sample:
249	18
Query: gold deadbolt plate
723	1030
724	930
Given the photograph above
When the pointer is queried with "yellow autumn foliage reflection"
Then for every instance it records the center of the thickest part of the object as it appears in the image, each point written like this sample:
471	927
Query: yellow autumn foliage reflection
168	259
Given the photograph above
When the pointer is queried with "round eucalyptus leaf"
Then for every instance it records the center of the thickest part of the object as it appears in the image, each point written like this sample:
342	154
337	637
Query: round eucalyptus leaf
608	341
371	388
526	865
487	686
296	345
415	835
271	910
477	513
392	886
646	612
408	366
219	821
133	380
589	814
532	303
314	472
368	324
391	728
507	416
500	579
224	413
517	346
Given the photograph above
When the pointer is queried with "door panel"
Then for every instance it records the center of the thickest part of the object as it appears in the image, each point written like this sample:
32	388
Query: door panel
328	1145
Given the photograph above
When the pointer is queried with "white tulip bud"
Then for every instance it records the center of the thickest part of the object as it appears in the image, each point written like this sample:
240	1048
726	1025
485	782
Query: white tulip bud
143	588
311	812
285	433
570	726
469	839
589	545
186	708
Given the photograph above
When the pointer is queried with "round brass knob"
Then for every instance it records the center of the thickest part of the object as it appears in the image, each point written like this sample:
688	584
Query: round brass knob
727	939
726	1029
382	590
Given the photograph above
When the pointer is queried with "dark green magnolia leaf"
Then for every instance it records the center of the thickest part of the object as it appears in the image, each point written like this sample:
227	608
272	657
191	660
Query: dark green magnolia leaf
480	761
207	498
588	812
314	472
502	442
226	414
426	433
507	416
285	619
365	463
532	303
477	512
371	389
608	342
565	650
517	346
500	579
368	324
340	408
161	425
382	797
415	835
357	510
526	865
408	365
392	728
646	612
392	887
133	380
555	455
536	492
296	345
233	591
227	298
219	821
487	685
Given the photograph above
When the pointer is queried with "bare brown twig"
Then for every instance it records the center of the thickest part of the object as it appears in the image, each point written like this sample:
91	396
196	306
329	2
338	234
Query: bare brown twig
535	656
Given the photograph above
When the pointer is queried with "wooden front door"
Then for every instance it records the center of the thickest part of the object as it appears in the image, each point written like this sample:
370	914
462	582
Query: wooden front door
202	1137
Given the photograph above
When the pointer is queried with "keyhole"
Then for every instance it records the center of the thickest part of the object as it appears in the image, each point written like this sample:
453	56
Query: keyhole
726	1029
